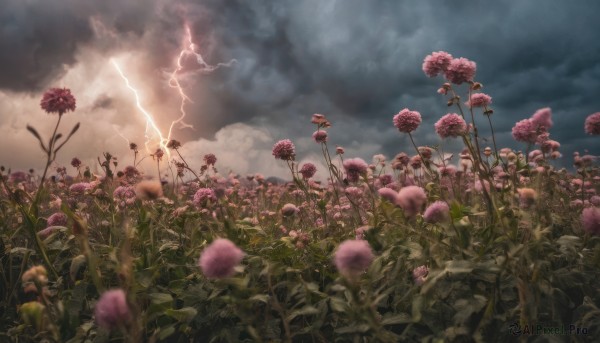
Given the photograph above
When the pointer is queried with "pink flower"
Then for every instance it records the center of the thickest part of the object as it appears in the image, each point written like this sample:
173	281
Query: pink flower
479	100
460	70
79	188
361	232
111	309
436	63
542	118
411	199
58	100
420	275
525	131
318	119
437	212
57	219
210	159
451	125
386	179
388	194
284	150
320	136
353	257
203	196
590	219
219	259
407	120
592	124
308	170
339	150
355	167
125	194
289	210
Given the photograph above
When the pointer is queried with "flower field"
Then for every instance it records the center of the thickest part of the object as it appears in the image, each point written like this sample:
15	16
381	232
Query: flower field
486	244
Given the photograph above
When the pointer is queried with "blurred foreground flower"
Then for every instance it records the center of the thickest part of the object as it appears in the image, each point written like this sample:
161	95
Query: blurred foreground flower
111	310
353	257
590	219
219	259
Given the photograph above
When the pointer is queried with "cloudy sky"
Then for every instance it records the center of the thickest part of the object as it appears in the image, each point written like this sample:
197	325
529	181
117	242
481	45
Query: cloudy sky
357	62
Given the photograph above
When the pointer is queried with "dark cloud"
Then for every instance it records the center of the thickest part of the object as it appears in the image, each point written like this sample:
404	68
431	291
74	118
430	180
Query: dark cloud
356	61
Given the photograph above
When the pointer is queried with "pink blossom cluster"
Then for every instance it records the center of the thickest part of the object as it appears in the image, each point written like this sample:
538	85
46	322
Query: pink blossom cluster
451	125
407	121
353	257
284	150
355	167
203	196
58	100
219	259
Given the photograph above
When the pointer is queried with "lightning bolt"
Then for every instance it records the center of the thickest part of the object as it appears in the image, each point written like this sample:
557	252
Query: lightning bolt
150	123
190	48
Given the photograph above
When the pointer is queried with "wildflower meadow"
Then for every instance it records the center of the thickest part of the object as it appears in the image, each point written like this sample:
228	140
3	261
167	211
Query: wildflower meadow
483	244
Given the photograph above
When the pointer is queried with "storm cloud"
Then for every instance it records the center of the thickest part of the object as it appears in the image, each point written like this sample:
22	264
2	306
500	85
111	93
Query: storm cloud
358	62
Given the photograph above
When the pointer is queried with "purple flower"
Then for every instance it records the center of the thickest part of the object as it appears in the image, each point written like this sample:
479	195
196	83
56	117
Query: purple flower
592	124
308	170
112	310
590	219
407	120
437	212
436	63
354	168
460	70
219	259
353	257
58	100
284	150
451	125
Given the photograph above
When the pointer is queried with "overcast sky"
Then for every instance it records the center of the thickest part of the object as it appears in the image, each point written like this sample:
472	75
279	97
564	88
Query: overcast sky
357	62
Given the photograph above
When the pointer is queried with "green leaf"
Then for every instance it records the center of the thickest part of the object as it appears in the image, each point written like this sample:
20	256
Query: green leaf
160	298
402	318
338	304
165	332
305	311
185	314
37	135
260	297
361	328
77	263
